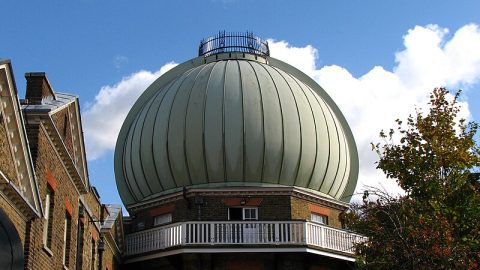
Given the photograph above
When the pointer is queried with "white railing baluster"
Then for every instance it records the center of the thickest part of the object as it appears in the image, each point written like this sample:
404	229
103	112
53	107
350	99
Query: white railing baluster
194	233
277	232
229	232
280	232
323	237
203	232
221	233
211	234
174	236
236	232
291	228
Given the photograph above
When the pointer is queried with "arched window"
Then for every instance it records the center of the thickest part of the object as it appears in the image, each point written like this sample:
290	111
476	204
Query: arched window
11	251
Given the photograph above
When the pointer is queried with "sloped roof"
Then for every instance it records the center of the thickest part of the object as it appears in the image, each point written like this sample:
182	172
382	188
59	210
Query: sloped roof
114	211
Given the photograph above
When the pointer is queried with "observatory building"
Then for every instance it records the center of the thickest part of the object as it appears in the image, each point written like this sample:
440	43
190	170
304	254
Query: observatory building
236	160
231	160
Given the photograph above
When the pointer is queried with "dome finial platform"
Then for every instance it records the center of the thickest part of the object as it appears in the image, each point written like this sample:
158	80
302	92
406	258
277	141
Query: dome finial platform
233	42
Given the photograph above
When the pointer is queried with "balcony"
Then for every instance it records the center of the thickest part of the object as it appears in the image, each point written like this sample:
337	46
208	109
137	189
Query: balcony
242	234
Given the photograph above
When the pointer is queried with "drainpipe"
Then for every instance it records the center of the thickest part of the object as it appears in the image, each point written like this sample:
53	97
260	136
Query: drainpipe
101	243
199	202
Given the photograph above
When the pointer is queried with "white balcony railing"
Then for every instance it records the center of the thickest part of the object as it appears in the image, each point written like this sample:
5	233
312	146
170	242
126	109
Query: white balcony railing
231	233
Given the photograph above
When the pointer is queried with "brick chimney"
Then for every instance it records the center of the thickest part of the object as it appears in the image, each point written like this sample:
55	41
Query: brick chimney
38	88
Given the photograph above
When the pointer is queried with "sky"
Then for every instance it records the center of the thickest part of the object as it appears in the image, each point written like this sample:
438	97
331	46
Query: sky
377	59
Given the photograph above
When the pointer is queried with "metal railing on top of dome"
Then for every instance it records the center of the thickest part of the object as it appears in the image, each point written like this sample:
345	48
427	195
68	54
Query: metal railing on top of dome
233	42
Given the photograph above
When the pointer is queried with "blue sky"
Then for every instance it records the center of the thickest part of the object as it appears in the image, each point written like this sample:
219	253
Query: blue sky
385	53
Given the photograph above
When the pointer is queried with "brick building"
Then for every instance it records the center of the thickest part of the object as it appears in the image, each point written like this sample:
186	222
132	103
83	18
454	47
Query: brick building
51	216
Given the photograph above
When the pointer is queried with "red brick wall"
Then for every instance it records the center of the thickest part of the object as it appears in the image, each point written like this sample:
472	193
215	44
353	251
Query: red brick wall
302	209
110	257
37	89
48	165
215	208
93	204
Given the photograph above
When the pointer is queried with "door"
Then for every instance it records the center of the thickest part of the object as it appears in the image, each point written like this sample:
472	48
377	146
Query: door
244	232
250	230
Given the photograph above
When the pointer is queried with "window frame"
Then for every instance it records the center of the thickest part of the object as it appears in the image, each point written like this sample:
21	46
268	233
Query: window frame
67	237
80	240
244	213
48	218
168	220
315	217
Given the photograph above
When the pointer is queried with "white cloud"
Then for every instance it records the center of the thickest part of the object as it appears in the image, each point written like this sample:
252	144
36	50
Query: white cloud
374	100
103	119
303	58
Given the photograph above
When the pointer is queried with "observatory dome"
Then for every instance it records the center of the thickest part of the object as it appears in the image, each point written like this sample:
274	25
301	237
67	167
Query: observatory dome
234	119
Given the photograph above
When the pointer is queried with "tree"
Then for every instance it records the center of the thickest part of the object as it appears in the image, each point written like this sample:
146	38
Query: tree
436	224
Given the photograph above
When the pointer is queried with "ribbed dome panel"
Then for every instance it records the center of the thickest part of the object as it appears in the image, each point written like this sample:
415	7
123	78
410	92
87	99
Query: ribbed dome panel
236	122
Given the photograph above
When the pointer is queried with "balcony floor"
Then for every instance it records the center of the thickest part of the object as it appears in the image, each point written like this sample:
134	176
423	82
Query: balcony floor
246	261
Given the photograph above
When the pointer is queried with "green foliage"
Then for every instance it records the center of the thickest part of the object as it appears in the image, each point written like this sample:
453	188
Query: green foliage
436	224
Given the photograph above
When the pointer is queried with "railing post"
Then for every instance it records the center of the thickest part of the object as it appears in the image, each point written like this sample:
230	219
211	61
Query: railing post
306	233
167	235
183	230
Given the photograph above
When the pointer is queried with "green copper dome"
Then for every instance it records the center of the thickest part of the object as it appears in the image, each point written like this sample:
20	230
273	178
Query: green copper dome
234	119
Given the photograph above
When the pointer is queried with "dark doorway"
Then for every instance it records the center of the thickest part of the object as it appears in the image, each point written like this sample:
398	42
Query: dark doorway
235	213
11	250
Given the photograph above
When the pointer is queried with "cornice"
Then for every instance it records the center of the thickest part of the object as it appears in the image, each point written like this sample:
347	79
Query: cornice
240	192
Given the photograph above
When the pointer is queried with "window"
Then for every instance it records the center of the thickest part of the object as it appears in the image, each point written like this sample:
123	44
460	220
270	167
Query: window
140	225
66	239
80	231
65	126
237	213
48	219
162	219
322	219
250	214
